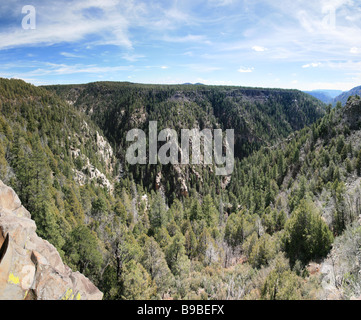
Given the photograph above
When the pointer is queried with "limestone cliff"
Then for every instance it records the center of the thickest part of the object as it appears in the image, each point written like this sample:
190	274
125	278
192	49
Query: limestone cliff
30	267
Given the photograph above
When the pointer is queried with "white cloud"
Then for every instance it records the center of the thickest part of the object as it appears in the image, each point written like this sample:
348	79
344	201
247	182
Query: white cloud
355	50
201	37
296	31
156	67
245	70
72	23
65	69
70	55
158	17
187	38
313	65
259	48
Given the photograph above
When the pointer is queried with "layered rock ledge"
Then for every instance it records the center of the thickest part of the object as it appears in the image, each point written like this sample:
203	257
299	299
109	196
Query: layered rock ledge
30	267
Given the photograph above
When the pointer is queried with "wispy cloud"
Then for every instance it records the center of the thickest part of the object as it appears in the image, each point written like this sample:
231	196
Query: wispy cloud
155	67
70	55
259	48
188	38
132	57
72	23
313	65
245	70
65	69
355	50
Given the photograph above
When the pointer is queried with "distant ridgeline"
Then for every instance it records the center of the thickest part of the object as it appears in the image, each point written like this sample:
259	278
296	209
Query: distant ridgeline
343	97
334	96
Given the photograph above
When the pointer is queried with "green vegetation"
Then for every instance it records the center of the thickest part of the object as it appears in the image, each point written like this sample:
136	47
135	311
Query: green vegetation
293	191
307	237
259	117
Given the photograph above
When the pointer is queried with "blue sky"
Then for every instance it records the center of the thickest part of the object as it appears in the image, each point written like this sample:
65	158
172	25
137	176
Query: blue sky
298	44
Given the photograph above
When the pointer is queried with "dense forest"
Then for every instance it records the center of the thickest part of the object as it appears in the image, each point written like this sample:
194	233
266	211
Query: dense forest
258	116
292	204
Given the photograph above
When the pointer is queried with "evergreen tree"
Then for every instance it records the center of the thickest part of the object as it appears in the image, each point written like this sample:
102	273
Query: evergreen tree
153	260
306	235
136	282
157	212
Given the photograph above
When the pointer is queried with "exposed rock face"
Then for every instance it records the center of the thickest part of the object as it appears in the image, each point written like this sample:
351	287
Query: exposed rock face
93	174
105	151
352	113
88	171
30	267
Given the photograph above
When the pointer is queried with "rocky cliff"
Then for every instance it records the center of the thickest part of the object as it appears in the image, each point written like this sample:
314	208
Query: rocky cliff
352	113
30	267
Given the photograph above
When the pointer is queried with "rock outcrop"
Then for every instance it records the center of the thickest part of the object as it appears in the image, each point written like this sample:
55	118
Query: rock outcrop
352	113
30	267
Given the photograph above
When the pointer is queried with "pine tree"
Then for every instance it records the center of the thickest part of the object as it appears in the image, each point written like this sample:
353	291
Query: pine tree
136	282
306	235
82	250
196	212
209	211
157	212
176	255
153	260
